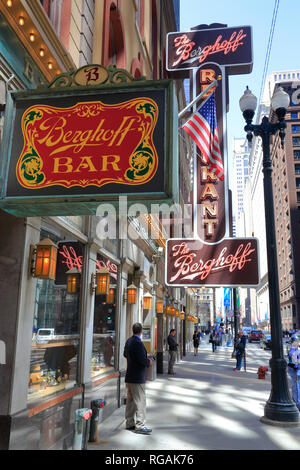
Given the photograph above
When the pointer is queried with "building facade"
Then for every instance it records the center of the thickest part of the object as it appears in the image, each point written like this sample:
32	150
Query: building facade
62	348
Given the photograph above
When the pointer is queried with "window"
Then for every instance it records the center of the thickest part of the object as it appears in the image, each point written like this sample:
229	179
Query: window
296	141
298	183
297	154
55	341
294	115
104	323
298	197
295	128
297	169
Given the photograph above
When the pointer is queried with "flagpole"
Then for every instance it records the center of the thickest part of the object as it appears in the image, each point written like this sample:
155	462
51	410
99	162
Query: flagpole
214	83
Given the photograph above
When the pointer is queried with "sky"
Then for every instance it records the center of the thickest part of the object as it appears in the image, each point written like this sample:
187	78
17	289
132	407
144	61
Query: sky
285	52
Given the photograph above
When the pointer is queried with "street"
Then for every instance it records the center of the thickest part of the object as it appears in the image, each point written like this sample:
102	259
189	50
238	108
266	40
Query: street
205	406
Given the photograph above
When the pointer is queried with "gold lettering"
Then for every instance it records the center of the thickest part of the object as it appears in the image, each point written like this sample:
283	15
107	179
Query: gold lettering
86	162
209	225
210	209
62	162
122	130
55	127
209	191
207	175
105	162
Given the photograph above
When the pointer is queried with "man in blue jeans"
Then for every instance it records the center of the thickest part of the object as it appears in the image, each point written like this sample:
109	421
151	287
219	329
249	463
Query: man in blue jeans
240	347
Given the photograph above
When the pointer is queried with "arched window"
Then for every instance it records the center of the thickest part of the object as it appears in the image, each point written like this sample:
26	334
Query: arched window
113	43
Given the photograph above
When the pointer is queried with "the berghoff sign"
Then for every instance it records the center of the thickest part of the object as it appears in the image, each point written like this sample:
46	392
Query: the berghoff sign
224	46
232	262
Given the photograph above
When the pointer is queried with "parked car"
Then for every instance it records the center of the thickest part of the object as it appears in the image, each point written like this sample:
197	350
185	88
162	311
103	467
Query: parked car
265	342
256	335
44	335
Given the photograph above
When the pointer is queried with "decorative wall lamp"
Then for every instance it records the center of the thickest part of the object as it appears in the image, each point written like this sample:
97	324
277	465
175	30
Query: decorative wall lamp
42	259
100	282
130	294
173	309
147	301
182	315
110	298
73	280
168	309
159	306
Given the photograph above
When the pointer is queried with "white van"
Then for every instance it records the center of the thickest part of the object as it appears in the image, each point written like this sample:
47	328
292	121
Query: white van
44	335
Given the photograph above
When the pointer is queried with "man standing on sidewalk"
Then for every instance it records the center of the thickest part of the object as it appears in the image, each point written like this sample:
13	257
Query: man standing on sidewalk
137	361
172	351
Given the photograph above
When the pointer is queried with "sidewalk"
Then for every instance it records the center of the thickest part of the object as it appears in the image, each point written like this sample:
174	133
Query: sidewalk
205	406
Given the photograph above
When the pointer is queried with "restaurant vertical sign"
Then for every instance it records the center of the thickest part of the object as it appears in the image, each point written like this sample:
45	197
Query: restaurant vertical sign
212	258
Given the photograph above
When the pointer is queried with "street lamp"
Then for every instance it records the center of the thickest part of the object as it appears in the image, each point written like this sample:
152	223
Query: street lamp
280	408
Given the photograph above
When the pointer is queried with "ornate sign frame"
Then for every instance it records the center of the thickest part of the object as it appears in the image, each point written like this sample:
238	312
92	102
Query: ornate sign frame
92	135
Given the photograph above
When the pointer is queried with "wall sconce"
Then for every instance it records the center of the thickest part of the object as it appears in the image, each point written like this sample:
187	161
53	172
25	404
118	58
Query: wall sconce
32	37
42	259
168	309
42	52
110	297
147	301
130	294
159	306
173	311
9	3
182	315
73	277
50	65
177	312
100	282
21	20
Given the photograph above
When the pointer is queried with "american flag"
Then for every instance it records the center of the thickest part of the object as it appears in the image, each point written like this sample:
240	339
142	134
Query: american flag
203	129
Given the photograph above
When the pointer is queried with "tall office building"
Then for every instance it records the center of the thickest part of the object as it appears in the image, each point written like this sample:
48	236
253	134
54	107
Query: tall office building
241	151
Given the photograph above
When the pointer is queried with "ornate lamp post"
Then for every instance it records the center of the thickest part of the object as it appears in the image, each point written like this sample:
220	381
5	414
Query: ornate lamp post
280	407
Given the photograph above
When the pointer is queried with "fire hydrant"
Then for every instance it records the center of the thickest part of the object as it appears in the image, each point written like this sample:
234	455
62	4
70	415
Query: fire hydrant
262	372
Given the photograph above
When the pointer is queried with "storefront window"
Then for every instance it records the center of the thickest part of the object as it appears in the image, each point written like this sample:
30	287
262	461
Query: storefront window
103	354
55	341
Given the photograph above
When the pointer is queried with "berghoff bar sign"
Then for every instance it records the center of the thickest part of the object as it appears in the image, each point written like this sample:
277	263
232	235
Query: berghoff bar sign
231	47
234	262
102	134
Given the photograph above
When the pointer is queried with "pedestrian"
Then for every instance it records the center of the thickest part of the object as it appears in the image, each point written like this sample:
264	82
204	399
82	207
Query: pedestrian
240	346
294	370
214	340
196	342
172	351
135	379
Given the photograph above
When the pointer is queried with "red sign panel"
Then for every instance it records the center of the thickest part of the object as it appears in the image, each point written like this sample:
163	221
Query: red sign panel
83	145
232	262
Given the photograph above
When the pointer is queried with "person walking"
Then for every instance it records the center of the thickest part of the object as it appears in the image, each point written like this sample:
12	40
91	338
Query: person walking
240	347
173	346
135	379
294	370
214	340
196	341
